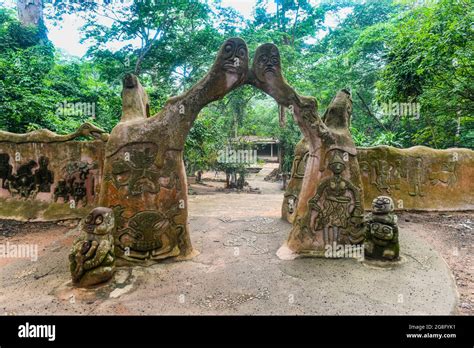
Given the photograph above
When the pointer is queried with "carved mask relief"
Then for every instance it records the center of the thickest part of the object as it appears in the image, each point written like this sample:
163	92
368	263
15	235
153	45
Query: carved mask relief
136	169
267	62
234	56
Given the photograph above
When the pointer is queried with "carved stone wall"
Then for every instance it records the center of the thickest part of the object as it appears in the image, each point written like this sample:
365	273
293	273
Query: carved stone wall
45	176
417	178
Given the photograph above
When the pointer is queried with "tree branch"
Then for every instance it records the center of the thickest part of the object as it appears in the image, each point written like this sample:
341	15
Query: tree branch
370	112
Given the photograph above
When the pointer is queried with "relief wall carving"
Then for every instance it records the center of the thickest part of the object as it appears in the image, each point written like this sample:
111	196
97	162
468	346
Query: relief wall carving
418	178
51	174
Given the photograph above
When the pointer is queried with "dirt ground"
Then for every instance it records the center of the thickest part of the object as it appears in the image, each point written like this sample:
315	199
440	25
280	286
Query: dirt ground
237	272
450	234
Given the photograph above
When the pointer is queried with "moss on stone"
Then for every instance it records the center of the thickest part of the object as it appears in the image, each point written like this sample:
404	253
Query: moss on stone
38	210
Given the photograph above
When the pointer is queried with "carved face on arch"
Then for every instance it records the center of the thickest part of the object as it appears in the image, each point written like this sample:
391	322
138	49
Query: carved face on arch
233	56
267	62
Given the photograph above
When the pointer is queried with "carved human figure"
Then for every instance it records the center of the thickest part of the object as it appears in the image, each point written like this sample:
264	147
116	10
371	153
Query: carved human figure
23	182
417	179
6	169
336	201
79	192
43	176
61	191
144	175
290	201
92	257
381	175
322	138
381	230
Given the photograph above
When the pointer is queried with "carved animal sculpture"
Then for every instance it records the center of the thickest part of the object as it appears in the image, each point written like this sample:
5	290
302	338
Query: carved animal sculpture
92	257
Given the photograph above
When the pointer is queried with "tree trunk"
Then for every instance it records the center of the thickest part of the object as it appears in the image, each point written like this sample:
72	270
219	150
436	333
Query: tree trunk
282	116
281	156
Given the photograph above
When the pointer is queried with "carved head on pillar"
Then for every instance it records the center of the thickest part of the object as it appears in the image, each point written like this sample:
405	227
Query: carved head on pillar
338	114
135	102
267	76
338	119
234	55
267	64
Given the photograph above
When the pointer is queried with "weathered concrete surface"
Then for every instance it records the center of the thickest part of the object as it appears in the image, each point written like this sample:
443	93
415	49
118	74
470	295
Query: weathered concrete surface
226	280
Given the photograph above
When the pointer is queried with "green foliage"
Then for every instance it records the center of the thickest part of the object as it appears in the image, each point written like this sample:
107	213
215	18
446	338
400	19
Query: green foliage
430	61
202	144
383	50
34	82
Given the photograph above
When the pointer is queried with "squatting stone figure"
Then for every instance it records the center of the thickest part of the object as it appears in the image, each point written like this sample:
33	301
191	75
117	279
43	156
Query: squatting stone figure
92	258
381	230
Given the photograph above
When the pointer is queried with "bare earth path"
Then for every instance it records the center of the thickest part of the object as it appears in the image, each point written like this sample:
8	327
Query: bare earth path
238	272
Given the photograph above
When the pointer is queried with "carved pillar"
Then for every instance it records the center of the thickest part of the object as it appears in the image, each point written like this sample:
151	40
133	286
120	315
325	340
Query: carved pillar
145	180
329	139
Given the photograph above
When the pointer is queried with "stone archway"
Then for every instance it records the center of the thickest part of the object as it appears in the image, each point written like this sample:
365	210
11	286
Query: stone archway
144	175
